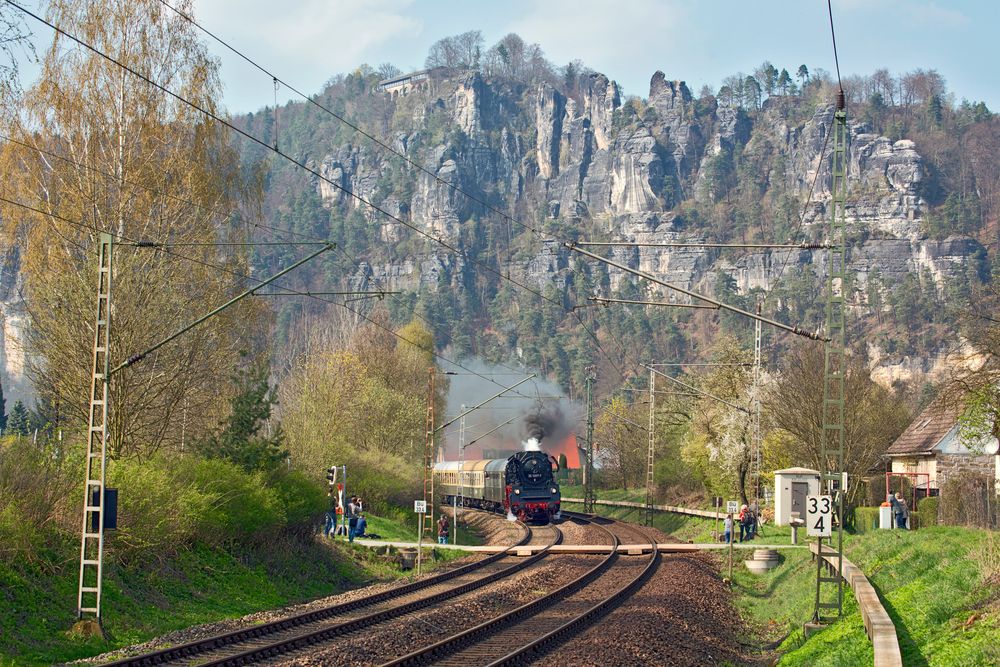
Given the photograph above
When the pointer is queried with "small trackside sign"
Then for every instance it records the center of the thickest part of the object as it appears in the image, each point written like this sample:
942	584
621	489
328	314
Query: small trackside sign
819	516
733	506
420	506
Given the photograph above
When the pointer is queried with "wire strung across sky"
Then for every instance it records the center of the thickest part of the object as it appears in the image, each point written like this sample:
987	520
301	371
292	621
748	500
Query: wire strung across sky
247	278
374	207
269	228
371	205
386	147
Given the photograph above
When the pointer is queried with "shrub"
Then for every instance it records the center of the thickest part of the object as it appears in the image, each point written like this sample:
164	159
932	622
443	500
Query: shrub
928	510
41	492
167	504
865	519
303	499
967	500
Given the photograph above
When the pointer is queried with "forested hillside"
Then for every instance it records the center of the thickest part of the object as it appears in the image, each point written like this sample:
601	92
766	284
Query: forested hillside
507	156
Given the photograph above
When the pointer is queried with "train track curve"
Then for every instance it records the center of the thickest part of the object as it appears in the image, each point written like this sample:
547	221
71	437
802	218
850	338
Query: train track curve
269	640
524	633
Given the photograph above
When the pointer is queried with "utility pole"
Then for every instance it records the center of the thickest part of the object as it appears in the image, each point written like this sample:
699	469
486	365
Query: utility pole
88	600
756	460
461	469
832	443
588	482
89	590
427	518
652	445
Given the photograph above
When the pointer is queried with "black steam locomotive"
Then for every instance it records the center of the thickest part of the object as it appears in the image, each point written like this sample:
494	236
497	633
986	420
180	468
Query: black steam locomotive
522	485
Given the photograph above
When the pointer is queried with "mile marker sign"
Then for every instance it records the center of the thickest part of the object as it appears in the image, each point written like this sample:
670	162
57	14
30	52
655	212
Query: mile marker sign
420	506
732	506
819	516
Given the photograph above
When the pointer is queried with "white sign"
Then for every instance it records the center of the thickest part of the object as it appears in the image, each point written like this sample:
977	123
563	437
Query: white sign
819	516
420	506
732	506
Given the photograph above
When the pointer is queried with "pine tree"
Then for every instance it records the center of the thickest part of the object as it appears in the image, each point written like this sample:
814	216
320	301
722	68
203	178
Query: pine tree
240	439
18	421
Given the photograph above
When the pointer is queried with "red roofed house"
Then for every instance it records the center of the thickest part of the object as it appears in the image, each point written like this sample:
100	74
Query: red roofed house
930	451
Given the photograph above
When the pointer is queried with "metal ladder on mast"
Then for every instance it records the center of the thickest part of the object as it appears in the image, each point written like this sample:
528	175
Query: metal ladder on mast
832	446
92	536
429	455
650	458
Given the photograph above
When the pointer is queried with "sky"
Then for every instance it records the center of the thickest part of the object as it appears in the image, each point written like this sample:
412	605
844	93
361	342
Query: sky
306	42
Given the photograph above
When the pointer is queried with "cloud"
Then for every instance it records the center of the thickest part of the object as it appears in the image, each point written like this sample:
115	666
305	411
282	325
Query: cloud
303	42
608	37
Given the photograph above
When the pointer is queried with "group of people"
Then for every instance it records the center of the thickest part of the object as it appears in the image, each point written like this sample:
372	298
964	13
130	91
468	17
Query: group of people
356	523
747	520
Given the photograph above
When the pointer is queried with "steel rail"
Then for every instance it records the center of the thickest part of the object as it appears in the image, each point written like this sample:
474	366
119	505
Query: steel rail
531	651
305	640
257	632
447	647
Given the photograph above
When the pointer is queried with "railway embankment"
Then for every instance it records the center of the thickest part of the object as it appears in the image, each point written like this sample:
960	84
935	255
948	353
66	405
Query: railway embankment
940	587
201	588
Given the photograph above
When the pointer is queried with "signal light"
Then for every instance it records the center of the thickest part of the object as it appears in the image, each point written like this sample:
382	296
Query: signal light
331	476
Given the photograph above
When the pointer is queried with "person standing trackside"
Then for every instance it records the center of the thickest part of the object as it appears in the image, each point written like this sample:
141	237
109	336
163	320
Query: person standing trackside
741	518
352	518
729	529
443	530
901	510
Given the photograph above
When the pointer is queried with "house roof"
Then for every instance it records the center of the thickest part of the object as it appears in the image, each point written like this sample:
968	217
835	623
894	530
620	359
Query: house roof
797	471
926	431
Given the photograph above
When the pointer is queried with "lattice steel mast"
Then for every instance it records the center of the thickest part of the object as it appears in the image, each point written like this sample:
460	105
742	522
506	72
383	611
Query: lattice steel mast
88	601
652	447
832	446
588	486
429	455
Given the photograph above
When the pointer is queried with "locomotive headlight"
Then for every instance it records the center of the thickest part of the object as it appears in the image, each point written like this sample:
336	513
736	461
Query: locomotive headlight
554	490
517	491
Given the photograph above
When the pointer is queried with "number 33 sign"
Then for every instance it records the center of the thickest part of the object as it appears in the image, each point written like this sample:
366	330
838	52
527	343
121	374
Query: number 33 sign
819	516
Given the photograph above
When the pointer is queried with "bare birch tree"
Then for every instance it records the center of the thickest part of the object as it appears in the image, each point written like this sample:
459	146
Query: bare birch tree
98	149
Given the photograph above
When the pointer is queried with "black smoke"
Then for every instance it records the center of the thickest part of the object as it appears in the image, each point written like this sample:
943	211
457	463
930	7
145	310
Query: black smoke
547	423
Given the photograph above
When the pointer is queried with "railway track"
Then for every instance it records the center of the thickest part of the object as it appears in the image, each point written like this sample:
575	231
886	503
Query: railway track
524	633
269	640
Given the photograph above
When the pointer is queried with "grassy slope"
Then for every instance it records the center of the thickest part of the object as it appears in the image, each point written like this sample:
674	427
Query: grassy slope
199	586
931	582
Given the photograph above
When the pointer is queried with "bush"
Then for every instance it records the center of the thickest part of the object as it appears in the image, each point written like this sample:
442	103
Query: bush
304	500
168	503
967	500
865	519
41	492
928	510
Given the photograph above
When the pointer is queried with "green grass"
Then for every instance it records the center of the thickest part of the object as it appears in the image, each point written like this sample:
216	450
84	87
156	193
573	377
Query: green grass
200	585
689	528
930	581
392	530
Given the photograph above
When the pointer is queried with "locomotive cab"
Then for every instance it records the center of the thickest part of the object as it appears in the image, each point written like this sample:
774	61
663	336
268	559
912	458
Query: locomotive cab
532	493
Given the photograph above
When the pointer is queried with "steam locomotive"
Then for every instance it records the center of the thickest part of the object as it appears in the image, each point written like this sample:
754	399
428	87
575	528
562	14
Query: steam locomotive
522	485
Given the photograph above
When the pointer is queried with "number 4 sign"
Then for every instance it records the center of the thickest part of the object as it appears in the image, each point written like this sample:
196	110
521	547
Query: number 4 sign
819	516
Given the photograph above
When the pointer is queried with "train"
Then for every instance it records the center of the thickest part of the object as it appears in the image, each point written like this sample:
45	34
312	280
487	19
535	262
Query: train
522	485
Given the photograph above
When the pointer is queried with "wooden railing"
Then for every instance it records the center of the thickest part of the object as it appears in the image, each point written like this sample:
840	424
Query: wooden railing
878	625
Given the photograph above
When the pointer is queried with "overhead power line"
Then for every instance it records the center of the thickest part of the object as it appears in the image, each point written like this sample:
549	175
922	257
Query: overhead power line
413	163
215	117
244	277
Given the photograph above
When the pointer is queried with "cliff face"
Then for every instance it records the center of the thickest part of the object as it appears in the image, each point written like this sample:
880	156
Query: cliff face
590	162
